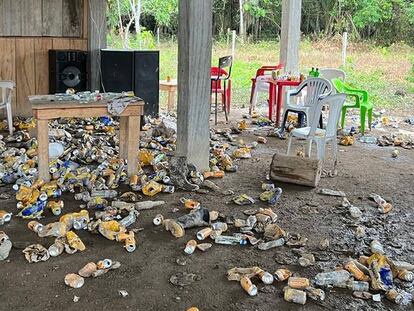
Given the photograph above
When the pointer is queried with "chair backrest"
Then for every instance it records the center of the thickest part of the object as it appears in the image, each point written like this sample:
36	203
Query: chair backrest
332	73
268	69
217	72
339	85
6	89
334	104
316	88
226	62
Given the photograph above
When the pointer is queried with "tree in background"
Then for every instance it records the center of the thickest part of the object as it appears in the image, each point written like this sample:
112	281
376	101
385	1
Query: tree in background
386	21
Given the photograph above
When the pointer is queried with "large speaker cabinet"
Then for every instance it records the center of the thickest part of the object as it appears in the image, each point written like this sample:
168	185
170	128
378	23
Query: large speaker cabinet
67	69
137	71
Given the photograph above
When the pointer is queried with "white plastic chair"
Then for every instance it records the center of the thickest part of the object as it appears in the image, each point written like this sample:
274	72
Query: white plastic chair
332	73
321	136
315	88
7	88
261	86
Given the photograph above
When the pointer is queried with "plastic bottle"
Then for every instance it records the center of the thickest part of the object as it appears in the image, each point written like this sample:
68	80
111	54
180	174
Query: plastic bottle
73	280
312	72
229	240
56	249
332	278
271	244
107	194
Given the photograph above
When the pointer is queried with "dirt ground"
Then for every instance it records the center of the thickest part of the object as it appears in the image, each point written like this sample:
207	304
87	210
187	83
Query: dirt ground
145	274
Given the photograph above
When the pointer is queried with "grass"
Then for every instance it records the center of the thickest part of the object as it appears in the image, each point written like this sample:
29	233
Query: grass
380	70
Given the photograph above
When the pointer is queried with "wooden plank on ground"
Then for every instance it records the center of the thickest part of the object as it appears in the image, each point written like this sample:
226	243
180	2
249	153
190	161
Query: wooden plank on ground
11	17
25	74
42	47
8	63
296	170
52	18
72	18
31	18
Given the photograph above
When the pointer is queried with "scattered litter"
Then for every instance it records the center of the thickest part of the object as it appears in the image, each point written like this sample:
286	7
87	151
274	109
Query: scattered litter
329	192
73	280
5	246
5	217
184	279
36	253
76	299
123	293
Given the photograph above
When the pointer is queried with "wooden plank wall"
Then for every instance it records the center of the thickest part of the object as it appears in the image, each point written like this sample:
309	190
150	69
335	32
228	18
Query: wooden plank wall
24	50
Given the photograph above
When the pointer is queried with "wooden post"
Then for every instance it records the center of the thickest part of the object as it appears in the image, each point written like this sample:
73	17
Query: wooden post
158	36
290	35
96	40
233	44
194	81
344	46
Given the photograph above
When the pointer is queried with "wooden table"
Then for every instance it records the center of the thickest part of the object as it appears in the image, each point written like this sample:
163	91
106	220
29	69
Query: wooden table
46	107
171	88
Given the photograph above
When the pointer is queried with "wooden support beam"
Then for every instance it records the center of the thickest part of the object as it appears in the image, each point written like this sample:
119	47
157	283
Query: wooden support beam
290	35
194	63
96	40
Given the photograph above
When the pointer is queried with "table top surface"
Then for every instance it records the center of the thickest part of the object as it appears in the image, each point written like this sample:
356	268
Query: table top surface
282	82
40	102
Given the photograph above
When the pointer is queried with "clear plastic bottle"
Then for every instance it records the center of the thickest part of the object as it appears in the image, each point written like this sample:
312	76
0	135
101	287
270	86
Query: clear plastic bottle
332	278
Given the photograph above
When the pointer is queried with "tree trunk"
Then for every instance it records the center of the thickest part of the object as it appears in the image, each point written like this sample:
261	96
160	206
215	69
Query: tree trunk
121	26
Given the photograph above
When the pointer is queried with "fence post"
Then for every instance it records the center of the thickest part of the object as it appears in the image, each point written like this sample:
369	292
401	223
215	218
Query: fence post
344	46
233	44
158	36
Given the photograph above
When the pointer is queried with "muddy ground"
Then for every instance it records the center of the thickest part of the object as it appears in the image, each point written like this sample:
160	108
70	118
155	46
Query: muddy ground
145	274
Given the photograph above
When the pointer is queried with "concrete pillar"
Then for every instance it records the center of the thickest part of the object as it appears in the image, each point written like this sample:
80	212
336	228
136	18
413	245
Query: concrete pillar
96	40
194	63
290	35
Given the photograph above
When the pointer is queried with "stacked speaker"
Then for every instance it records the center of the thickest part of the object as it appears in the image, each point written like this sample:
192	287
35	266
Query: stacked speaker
67	69
137	71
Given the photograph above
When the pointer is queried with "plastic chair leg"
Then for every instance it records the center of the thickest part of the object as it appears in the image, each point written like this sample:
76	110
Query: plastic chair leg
335	151
363	116
343	117
289	144
9	118
224	102
308	150
215	110
320	145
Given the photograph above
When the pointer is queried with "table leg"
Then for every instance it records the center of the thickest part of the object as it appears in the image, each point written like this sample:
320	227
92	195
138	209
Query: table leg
271	100
123	137
171	98
133	144
279	104
43	149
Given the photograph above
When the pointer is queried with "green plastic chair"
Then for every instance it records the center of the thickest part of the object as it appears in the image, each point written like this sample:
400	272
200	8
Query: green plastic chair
361	102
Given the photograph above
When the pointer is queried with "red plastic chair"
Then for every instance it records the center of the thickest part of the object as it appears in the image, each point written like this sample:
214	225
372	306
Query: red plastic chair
221	84
267	69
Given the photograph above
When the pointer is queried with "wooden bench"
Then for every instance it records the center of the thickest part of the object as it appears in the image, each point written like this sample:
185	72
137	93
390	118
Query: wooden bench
46	107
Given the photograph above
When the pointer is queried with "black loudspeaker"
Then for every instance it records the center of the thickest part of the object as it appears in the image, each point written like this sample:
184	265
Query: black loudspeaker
137	71
67	69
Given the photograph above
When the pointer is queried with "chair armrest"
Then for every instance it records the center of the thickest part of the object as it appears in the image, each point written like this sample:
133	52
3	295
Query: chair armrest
356	92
